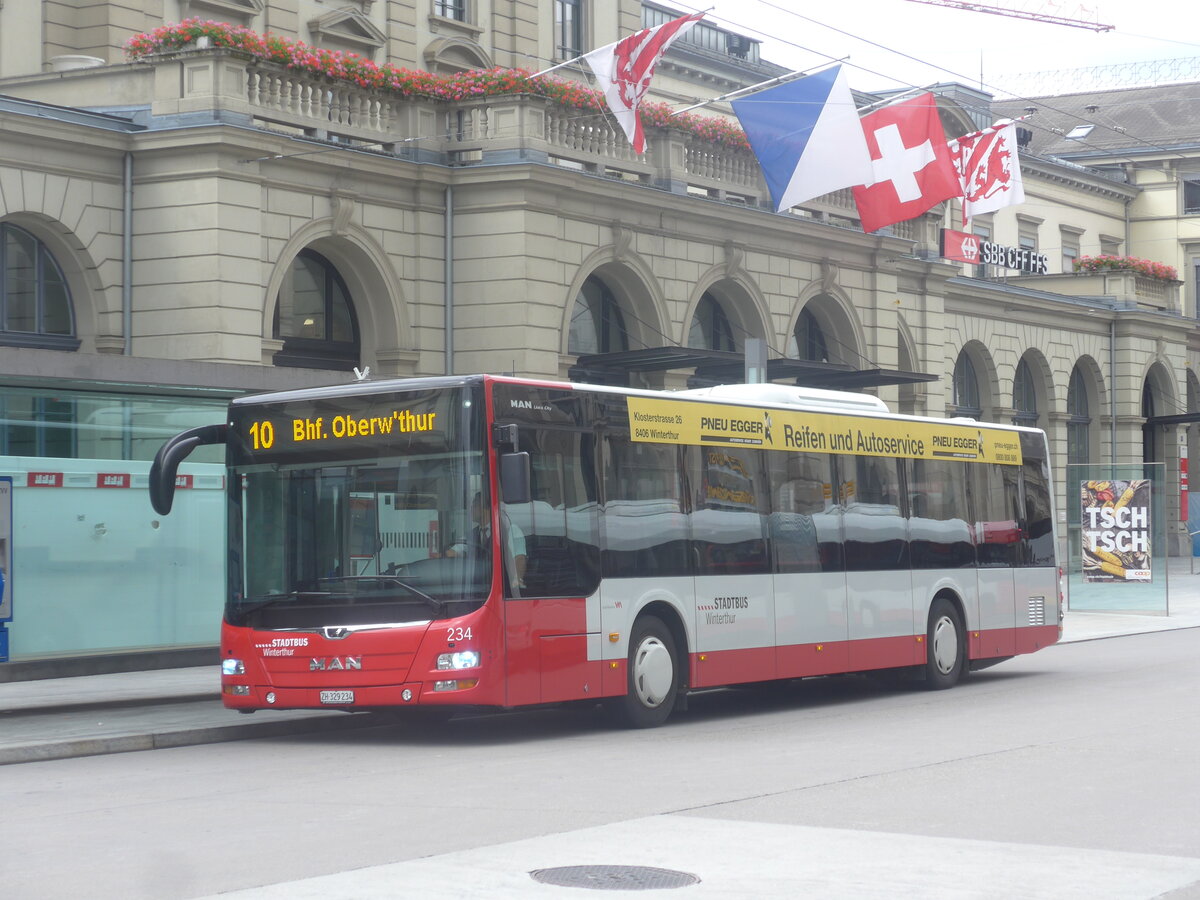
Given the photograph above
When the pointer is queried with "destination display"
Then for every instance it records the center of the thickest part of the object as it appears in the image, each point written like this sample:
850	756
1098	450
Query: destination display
325	429
705	424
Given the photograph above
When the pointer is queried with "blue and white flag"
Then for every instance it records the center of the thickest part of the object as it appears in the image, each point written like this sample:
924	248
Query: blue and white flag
807	137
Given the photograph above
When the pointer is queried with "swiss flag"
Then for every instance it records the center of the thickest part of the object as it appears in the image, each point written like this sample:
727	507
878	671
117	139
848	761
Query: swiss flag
913	167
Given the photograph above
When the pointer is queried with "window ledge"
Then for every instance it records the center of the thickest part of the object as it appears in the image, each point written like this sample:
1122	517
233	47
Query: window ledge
39	341
442	23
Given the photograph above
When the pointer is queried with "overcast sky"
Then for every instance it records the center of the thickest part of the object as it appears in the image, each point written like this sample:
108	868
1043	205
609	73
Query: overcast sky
892	43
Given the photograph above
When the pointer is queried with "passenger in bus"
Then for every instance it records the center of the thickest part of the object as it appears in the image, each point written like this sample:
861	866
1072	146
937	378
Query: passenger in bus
480	538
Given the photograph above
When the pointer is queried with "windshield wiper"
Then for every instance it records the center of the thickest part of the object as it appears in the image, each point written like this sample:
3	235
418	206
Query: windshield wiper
271	599
439	605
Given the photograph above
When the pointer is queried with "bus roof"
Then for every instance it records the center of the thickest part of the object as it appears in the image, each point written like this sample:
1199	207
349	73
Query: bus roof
783	396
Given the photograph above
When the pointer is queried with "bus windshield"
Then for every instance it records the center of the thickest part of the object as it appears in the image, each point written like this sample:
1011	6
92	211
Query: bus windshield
355	539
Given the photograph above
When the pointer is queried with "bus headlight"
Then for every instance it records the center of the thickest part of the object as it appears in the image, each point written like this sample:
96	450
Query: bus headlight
233	667
462	659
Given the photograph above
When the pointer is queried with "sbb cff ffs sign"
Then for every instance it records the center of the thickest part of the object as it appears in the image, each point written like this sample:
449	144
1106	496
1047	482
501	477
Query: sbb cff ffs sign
970	248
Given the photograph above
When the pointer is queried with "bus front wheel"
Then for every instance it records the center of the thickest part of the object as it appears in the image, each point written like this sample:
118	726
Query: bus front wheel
653	675
945	647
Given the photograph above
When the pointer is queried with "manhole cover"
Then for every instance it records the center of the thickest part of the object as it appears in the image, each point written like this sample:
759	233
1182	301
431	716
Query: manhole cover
615	878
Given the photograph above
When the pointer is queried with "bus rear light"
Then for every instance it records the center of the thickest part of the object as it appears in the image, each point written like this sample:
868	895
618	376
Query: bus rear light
460	685
233	667
463	659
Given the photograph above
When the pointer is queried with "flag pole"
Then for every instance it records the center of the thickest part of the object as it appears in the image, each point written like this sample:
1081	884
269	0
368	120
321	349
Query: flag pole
558	66
762	85
582	55
888	101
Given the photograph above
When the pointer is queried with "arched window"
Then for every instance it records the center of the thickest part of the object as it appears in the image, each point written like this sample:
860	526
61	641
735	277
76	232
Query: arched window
597	325
35	304
710	329
809	339
314	316
966	388
1079	420
1150	440
1025	411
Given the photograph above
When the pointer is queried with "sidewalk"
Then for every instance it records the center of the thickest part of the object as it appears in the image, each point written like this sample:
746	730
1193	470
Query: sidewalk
66	717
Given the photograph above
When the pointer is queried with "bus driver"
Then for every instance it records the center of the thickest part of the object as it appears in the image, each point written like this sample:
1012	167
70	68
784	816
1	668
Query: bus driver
480	537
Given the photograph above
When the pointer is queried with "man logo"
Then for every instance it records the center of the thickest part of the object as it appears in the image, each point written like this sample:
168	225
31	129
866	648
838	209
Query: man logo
334	664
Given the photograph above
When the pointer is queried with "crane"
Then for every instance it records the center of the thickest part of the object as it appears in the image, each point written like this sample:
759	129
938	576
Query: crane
1016	13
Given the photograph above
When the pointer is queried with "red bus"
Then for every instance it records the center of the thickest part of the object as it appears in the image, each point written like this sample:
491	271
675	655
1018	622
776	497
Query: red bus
502	542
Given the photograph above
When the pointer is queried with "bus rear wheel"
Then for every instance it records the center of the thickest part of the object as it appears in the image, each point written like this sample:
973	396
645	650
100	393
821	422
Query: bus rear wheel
652	673
945	647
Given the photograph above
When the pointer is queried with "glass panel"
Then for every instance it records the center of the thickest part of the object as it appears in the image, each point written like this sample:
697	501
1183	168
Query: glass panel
645	528
710	328
729	512
56	301
342	324
306	307
57	433
83	424
996	493
876	532
1037	526
597	325
966	387
561	525
805	520
355	544
20	281
940	530
567	28
84	546
809	339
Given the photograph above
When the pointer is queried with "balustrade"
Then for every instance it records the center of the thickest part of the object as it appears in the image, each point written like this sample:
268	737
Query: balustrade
231	83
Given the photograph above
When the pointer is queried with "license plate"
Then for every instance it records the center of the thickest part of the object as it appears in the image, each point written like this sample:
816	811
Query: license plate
337	696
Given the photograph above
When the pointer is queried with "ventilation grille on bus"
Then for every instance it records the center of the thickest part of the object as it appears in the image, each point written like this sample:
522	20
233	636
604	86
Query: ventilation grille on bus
1037	610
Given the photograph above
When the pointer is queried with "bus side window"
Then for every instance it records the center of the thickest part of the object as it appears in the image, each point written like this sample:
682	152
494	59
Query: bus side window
1038	530
940	534
727	516
560	525
997	516
645	525
876	531
805	521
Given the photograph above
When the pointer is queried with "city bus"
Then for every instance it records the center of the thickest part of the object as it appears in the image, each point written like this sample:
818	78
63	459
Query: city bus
485	541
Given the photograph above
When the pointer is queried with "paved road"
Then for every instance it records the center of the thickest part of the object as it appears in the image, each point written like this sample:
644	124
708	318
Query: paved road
1069	773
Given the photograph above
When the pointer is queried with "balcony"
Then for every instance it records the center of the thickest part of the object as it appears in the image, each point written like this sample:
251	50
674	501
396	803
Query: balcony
1128	288
218	84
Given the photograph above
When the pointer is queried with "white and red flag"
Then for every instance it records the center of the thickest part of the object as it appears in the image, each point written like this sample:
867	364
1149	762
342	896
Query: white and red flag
624	70
913	169
988	171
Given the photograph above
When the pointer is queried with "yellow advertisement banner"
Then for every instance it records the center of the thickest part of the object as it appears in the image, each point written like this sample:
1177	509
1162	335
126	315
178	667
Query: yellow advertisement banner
709	424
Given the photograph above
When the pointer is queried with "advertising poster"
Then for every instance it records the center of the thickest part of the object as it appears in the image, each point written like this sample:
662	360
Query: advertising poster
1115	518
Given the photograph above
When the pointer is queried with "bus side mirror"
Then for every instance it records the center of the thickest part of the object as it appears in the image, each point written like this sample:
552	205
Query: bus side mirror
170	455
514	478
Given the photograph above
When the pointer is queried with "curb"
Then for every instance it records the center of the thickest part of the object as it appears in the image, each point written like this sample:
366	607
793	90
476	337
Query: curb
117	703
125	743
